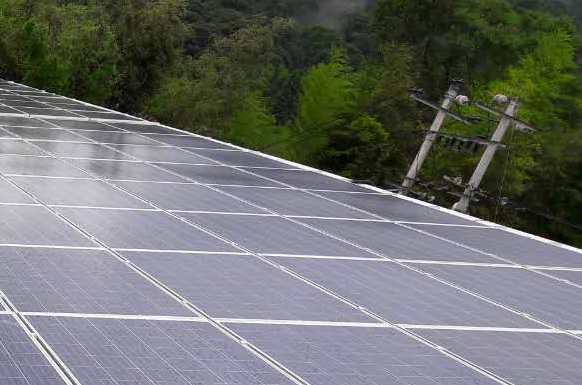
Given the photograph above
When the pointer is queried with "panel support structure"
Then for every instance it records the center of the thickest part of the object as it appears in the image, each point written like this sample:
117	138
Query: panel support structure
463	204
431	136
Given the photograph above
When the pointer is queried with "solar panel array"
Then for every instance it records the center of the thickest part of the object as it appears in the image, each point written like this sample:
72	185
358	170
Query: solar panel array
134	253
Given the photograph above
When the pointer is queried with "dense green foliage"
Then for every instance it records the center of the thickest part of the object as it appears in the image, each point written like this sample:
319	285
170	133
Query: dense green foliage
331	89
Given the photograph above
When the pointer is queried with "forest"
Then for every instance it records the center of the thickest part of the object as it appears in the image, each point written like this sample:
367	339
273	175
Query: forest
327	83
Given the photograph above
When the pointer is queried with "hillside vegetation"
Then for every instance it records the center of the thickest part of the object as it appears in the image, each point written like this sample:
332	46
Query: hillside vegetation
327	83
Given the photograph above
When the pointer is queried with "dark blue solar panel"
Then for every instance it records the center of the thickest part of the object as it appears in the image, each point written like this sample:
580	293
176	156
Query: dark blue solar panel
505	244
132	352
294	202
11	194
47	166
241	158
18	147
123	170
144	128
143	230
79	281
325	355
520	358
21	363
45	134
396	241
116	138
190	197
544	298
162	154
220	175
273	235
402	295
34	225
82	125
308	180
80	150
77	192
395	208
241	286
187	141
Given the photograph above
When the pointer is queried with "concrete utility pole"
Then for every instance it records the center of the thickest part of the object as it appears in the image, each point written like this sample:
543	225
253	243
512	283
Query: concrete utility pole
463	204
431	136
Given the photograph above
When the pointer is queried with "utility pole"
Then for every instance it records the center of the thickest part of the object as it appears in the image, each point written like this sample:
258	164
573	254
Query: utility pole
506	119
431	136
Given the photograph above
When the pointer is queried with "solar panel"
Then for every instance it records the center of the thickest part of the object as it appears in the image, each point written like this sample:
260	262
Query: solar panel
21	363
142	254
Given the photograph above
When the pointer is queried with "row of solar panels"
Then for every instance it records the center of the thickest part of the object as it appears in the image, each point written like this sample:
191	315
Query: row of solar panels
190	262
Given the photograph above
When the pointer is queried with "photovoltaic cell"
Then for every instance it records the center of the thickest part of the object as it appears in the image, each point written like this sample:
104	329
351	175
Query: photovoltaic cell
21	363
190	197
34	225
520	358
242	286
572	276
398	242
219	175
44	134
394	208
123	170
273	235
294	202
162	154
81	125
138	352
240	158
18	147
81	150
505	244
116	138
144	128
401	295
77	192
143	230
22	122
325	355
48	112
11	194
188	141
79	281
544	298
47	166
308	180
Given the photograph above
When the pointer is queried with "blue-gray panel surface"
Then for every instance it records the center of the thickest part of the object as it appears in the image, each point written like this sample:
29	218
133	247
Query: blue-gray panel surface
325	355
123	170
242	286
293	202
45	134
21	362
401	295
162	154
572	276
273	235
34	225
394	208
77	192
132	352
308	180
396	241
81	150
521	358
47	166
512	246
241	158
143	230
19	147
220	175
11	194
116	138
192	197
22	122
144	128
188	141
79	281
545	298
82	125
